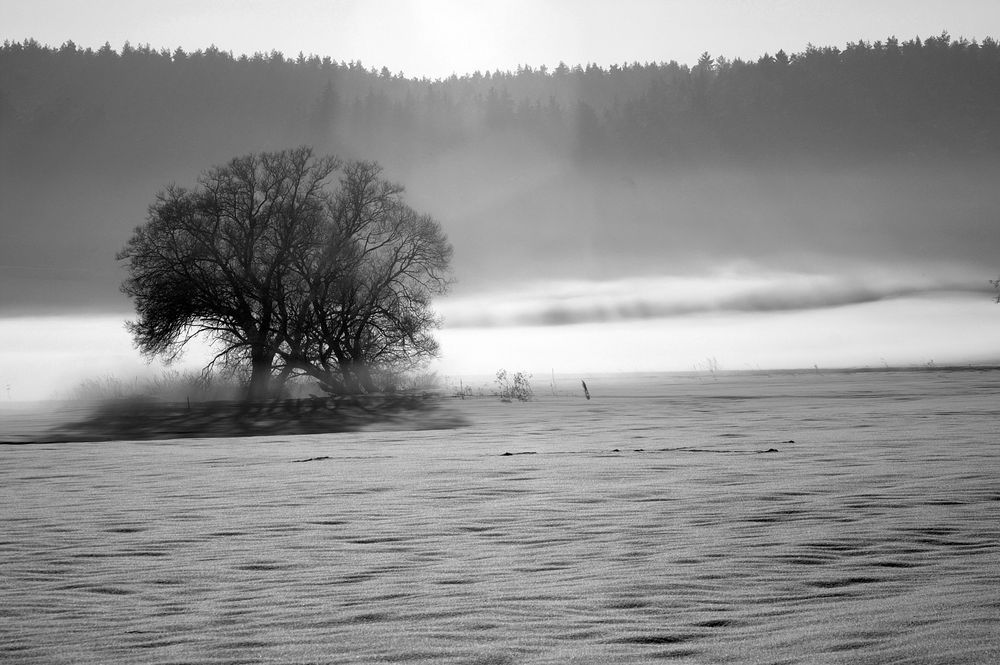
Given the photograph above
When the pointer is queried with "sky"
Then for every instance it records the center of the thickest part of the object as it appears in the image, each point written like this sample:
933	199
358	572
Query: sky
940	313
435	38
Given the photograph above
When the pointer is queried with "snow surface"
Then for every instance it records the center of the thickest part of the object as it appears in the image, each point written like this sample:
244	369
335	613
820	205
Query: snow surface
643	525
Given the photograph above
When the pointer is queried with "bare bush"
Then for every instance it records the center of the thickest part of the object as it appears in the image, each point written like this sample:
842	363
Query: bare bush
169	386
514	386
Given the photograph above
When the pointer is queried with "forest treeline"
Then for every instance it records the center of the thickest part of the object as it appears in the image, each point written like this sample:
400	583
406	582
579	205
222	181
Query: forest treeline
933	98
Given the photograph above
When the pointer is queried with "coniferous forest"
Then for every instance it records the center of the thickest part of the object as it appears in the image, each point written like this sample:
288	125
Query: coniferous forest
650	155
930	98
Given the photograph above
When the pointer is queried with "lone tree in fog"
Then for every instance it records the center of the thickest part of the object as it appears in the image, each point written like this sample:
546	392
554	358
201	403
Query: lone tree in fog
290	270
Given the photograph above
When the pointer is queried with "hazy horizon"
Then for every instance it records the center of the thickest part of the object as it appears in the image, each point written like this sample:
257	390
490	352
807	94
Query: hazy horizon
438	38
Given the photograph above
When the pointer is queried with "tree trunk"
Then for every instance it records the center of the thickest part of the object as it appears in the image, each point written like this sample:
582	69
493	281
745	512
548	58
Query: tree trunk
357	377
350	381
364	377
260	375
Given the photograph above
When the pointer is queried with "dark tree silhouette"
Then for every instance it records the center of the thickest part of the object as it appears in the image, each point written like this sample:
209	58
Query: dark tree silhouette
361	298
288	270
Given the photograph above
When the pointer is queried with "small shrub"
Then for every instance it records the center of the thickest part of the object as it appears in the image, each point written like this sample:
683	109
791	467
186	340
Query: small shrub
514	386
103	388
412	381
170	386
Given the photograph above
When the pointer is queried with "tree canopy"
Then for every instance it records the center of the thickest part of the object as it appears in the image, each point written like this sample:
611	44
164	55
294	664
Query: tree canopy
292	264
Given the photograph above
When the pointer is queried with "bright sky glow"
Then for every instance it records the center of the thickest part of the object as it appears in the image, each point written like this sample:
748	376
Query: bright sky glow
435	38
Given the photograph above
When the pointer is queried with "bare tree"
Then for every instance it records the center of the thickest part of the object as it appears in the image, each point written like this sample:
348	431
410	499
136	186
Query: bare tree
287	271
363	300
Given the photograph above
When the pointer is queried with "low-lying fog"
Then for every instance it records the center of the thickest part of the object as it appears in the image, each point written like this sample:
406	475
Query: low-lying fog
559	267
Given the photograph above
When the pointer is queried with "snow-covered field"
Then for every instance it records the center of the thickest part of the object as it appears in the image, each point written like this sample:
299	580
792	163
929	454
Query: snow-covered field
644	525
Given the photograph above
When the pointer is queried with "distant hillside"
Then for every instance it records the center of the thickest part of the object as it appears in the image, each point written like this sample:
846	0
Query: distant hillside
933	97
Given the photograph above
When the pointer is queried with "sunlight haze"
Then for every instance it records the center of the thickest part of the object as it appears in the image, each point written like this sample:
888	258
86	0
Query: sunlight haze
437	38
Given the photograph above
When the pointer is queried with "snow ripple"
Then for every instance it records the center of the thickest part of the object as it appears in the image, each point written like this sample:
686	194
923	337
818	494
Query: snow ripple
870	535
